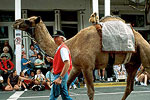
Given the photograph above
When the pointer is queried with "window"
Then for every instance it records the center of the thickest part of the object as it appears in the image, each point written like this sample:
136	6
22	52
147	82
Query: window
70	30
69	16
135	20
7	16
50	29
45	15
1	45
3	32
69	23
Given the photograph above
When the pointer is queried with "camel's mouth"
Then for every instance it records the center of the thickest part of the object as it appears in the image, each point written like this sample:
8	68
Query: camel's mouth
20	24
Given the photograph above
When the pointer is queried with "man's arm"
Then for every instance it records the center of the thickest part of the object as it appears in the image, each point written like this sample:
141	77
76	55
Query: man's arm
64	71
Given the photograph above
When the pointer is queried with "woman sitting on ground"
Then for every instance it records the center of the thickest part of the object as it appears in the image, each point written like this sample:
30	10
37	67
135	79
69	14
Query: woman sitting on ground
142	76
13	82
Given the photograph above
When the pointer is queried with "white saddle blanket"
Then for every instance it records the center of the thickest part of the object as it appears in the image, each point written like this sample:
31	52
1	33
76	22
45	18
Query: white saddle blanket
117	36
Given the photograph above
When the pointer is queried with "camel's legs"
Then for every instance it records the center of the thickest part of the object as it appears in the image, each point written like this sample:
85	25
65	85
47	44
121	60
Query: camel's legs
88	75
131	70
74	73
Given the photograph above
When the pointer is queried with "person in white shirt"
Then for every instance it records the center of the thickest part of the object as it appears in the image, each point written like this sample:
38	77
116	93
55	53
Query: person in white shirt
39	78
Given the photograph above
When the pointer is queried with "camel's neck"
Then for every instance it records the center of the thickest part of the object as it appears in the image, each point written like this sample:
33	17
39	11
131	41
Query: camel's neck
44	40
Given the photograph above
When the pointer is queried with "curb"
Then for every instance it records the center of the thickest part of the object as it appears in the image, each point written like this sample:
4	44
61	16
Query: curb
111	84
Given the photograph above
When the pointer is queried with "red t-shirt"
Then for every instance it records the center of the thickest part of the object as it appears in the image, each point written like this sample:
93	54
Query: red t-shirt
4	65
58	64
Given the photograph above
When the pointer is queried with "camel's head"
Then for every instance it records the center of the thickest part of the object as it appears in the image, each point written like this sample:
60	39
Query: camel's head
25	24
94	19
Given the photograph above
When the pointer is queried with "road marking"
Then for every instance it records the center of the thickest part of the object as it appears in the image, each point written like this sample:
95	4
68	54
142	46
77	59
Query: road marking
75	94
16	95
35	97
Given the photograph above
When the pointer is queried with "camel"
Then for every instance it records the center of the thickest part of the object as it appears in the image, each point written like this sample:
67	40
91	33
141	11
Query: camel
86	53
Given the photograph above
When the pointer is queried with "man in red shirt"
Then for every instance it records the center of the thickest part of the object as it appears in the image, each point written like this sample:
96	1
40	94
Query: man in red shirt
6	66
61	65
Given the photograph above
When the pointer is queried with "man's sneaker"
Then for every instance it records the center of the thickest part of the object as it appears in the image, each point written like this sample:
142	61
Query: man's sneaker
74	86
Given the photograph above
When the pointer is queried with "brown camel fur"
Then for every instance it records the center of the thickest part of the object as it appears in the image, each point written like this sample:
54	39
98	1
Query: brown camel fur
86	53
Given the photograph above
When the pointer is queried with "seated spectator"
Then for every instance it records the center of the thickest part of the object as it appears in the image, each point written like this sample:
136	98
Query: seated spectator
39	63
10	51
5	52
23	49
32	55
1	81
120	72
39	78
13	82
25	64
22	84
31	77
49	77
36	46
142	76
48	61
6	66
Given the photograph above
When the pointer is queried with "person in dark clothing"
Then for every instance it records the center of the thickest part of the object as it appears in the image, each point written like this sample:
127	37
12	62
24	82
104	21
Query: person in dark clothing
13	81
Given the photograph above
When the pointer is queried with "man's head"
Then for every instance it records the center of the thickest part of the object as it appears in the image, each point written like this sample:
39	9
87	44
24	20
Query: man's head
59	37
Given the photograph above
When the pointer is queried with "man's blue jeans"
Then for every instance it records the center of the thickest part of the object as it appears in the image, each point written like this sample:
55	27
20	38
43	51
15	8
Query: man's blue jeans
63	92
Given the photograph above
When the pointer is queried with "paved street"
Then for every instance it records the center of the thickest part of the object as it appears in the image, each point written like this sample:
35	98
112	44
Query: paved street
101	93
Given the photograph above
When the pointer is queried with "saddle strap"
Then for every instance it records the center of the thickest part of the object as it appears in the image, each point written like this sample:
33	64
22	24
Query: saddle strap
128	57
